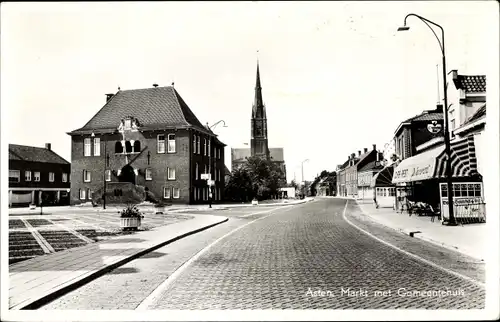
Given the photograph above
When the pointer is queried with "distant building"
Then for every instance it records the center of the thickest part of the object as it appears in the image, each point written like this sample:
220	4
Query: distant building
153	135
259	140
37	174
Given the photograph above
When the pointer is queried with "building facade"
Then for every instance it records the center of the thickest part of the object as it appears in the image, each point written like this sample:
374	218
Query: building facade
37	174
259	140
154	135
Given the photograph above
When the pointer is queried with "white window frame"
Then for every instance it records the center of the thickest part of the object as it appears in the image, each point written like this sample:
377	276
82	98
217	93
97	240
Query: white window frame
87	147
160	143
167	193
64	177
86	174
107	175
82	194
194	144
127	125
196	171
171	141
149	174
89	193
204	146
209	146
36	176
97	147
176	193
16	175
52	176
198	144
169	172
27	175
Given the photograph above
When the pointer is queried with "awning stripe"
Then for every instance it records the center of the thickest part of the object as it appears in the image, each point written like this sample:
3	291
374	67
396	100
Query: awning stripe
463	159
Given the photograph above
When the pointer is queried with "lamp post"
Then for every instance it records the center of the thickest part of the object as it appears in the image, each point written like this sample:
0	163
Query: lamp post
302	169
451	220
210	162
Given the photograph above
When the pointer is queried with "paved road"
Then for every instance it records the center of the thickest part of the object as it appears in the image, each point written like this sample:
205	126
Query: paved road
301	257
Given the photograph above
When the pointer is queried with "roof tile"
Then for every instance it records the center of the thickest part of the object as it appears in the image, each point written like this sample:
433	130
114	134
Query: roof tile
34	154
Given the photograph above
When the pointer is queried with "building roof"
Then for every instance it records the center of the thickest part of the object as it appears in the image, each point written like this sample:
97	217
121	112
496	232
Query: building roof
471	83
239	154
154	108
34	154
372	165
425	116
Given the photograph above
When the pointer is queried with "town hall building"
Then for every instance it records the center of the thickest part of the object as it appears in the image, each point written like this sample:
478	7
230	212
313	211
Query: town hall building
153	135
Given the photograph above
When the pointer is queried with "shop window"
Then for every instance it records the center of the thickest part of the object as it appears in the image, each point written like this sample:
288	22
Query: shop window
36	176
64	177
118	147
107	175
27	175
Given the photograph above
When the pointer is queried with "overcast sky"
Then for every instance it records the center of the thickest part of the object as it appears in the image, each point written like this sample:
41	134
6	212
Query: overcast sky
336	76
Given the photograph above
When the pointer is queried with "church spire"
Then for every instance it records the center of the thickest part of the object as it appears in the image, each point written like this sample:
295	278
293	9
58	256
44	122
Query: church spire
258	111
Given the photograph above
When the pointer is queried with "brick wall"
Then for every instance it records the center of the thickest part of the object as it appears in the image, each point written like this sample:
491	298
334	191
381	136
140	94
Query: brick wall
158	163
44	169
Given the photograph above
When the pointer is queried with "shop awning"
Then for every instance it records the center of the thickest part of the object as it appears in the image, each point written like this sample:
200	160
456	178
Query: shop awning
417	168
463	159
383	178
432	164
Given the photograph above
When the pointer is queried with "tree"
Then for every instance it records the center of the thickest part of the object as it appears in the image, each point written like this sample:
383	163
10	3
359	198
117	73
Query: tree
256	178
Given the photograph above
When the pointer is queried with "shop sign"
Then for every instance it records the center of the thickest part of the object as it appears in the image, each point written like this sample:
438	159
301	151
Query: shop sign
434	127
413	173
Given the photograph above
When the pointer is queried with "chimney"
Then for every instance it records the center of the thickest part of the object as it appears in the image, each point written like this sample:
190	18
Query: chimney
374	147
439	108
365	150
155	85
108	96
48	146
359	153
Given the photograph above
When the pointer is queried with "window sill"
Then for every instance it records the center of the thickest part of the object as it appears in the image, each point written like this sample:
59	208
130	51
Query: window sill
171	152
169	179
149	179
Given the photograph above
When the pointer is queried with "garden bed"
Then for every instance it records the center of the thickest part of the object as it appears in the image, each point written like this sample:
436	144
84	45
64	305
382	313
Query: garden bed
39	222
60	239
16	224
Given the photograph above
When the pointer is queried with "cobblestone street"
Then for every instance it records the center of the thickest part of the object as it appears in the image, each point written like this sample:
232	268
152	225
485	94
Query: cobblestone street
301	257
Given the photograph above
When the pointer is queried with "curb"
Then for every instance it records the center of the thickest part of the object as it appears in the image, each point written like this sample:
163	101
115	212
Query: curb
420	235
237	206
92	275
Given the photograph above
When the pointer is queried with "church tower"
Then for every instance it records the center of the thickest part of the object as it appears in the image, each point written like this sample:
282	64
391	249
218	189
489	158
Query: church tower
258	142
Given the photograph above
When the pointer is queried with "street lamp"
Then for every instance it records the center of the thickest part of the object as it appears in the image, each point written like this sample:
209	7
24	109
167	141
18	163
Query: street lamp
210	163
302	168
451	221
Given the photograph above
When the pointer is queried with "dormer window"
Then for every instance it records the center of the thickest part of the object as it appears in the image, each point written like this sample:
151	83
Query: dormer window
128	124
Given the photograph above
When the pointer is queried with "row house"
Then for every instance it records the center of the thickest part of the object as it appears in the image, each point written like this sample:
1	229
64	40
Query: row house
341	178
37	175
153	132
367	167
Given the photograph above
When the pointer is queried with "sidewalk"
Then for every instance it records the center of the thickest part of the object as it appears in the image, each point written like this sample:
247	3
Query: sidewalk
39	280
467	239
148	207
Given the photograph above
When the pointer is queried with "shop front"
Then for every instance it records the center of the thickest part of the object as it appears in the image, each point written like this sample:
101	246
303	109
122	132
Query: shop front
424	180
384	191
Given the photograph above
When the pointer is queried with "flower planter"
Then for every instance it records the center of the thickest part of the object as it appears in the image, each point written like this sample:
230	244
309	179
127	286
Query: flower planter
130	223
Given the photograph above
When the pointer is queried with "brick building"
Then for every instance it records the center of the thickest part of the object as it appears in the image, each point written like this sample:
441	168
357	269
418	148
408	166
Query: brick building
37	174
156	134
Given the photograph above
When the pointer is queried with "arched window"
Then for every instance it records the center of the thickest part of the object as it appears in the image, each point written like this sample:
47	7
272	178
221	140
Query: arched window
137	146
118	147
128	147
